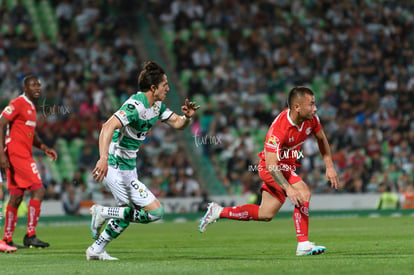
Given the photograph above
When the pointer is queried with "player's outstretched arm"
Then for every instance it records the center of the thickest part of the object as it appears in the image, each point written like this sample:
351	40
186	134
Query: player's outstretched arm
325	150
181	122
105	137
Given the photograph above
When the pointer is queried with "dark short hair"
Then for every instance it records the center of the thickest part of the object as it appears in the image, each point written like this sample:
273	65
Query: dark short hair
152	74
27	78
297	92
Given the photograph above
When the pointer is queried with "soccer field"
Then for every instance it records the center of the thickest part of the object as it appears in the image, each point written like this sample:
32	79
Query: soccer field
383	245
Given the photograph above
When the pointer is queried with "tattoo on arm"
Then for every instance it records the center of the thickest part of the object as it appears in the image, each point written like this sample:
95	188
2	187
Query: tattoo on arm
280	179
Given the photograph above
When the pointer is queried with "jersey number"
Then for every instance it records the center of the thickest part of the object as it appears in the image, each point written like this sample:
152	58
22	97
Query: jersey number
34	168
134	185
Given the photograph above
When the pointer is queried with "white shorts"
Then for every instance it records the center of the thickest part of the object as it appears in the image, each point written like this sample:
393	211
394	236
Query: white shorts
126	188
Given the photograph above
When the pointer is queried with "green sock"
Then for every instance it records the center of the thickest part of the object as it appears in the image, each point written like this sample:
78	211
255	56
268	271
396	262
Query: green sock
142	216
115	227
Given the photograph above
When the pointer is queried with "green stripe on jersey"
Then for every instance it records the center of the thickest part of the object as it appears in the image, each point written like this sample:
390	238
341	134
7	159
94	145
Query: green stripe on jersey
130	143
137	118
122	163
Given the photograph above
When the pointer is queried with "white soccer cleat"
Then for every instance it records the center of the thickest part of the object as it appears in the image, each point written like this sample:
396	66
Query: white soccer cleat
96	221
103	256
308	248
212	215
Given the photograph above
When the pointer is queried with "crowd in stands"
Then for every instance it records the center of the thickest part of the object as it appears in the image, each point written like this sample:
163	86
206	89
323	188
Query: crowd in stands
87	71
240	58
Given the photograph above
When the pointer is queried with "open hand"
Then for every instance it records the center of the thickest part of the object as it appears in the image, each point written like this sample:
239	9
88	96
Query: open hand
189	108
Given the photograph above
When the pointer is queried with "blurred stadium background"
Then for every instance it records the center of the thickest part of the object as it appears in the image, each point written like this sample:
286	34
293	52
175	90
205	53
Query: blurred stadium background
238	60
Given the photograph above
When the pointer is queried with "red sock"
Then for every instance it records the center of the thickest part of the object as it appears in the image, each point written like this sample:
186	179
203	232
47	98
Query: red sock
33	216
10	223
245	212
301	219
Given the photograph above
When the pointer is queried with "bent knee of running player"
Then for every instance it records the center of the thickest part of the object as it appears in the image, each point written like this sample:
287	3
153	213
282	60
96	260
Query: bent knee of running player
139	215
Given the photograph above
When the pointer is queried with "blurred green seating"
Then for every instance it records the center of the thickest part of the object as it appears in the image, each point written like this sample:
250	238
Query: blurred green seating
319	85
113	99
168	37
185	75
47	18
65	161
75	149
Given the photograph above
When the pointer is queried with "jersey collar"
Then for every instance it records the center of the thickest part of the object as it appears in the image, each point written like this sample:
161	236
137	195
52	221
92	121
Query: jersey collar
144	99
293	123
28	100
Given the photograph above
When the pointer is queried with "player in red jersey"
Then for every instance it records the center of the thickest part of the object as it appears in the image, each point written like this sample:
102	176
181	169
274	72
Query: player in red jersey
277	170
19	117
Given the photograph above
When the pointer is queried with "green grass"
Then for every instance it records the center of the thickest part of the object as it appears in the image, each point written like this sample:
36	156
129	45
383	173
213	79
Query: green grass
354	246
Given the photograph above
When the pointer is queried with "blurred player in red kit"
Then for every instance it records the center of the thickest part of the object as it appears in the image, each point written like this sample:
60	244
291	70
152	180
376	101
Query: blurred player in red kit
278	162
19	117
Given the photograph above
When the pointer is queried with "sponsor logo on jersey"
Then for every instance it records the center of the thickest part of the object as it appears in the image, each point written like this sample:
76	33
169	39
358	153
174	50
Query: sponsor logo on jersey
142	193
130	107
308	130
31	123
273	142
9	110
122	114
156	109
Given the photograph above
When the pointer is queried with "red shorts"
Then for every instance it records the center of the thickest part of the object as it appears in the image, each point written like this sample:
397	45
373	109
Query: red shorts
271	186
22	175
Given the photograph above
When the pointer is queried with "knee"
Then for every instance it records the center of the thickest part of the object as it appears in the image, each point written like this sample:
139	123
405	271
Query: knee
156	214
307	196
266	217
38	194
15	201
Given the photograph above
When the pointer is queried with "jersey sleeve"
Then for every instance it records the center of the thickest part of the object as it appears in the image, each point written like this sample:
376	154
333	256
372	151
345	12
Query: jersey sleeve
127	113
165	113
317	124
274	140
11	111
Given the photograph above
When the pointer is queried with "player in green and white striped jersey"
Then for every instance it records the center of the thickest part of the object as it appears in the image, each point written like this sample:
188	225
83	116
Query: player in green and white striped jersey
119	141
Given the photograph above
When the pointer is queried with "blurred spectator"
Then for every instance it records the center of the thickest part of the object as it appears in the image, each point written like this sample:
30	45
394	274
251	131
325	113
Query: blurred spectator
387	200
88	157
408	201
93	52
155	187
64	12
187	186
19	14
71	128
353	61
88	107
71	202
343	57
